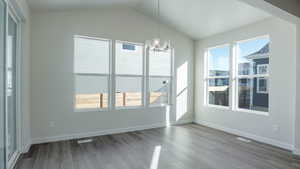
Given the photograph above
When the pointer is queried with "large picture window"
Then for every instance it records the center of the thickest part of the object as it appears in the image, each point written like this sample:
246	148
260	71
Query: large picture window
245	70
92	73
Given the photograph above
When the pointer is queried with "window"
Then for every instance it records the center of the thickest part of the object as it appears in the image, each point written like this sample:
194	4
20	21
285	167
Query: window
249	75
253	64
129	74
160	71
112	74
262	69
218	76
262	85
91	68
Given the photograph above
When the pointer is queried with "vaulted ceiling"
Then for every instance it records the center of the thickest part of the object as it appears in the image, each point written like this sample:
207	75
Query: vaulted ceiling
196	18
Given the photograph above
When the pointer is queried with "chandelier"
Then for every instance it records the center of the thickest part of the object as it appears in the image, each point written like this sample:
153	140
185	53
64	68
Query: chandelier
157	44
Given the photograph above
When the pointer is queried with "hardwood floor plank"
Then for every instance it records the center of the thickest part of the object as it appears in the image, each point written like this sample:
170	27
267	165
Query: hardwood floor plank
178	147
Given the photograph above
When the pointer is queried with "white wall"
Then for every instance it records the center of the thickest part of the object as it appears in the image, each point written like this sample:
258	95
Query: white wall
282	86
52	71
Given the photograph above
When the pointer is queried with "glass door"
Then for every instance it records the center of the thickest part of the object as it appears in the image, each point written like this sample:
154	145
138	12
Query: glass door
2	85
11	111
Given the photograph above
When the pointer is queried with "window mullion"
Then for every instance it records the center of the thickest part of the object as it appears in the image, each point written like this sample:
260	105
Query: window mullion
113	76
233	73
143	78
146	91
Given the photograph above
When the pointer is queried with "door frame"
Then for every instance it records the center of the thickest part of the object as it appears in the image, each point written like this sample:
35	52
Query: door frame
12	12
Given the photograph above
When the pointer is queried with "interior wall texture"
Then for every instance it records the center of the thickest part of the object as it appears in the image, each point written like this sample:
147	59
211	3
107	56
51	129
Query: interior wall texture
52	80
282	96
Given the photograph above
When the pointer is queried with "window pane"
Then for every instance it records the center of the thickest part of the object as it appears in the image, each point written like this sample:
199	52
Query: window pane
128	91
218	61
218	90
11	80
91	92
129	59
253	56
91	55
159	90
249	98
262	85
160	63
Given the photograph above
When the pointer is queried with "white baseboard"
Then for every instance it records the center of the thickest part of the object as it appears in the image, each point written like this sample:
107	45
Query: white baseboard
95	133
248	135
296	152
26	148
182	122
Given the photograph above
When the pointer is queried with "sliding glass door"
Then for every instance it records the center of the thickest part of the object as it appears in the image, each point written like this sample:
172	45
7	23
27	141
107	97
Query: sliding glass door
8	86
11	106
2	84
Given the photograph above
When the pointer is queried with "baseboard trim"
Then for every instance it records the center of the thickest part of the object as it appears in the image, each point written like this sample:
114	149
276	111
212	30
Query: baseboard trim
182	122
296	152
248	135
95	133
26	148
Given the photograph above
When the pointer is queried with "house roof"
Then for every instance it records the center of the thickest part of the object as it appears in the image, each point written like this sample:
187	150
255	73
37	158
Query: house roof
261	53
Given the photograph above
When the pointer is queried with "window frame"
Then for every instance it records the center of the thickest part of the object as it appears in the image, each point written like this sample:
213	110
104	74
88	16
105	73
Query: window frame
109	82
262	65
115	75
112	78
253	76
257	85
234	77
148	76
207	77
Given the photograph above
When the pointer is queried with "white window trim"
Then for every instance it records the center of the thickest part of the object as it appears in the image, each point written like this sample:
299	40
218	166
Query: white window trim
234	78
142	76
262	65
79	110
112	79
171	77
207	77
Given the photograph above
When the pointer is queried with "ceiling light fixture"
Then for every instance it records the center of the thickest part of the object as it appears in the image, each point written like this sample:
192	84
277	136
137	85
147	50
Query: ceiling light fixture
156	44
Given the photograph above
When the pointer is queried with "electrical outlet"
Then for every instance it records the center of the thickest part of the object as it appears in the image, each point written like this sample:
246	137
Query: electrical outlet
275	128
52	124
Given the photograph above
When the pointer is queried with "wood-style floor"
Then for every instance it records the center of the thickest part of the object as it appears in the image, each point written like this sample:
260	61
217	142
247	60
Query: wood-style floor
177	147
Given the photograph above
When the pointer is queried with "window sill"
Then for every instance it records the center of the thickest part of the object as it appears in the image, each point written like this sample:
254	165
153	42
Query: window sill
237	110
129	108
217	107
253	112
158	105
90	110
119	108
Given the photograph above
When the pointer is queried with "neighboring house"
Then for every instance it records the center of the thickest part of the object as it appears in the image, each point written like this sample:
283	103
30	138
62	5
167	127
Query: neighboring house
258	96
219	88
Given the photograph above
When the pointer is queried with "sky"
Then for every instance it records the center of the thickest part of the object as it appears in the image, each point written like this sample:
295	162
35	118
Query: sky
219	57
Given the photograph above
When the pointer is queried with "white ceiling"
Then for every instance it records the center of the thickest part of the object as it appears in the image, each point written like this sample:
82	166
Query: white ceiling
196	18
